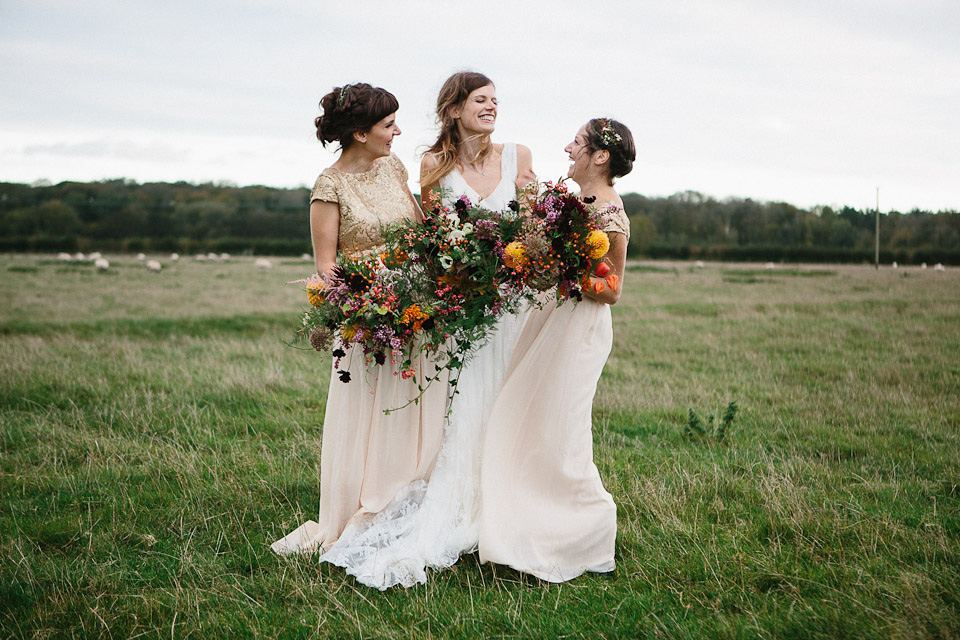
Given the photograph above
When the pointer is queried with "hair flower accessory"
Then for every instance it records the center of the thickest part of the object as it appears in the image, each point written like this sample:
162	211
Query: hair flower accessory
343	95
608	136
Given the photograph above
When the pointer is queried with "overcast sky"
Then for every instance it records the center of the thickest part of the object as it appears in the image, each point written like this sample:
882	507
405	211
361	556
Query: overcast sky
808	101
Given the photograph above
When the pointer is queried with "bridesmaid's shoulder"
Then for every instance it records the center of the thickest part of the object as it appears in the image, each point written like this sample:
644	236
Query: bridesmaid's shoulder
326	187
395	163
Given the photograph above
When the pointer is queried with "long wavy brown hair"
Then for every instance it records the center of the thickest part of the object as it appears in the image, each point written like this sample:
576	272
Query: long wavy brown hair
446	149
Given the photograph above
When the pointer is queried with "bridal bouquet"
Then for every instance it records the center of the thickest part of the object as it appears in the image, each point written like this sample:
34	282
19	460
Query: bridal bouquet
562	243
371	304
459	253
440	285
437	288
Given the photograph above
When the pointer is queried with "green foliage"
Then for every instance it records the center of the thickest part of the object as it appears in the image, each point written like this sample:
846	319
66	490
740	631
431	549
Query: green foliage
716	429
121	215
690	225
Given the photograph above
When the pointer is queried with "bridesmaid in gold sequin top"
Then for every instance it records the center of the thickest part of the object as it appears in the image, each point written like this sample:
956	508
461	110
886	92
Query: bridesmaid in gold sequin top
366	457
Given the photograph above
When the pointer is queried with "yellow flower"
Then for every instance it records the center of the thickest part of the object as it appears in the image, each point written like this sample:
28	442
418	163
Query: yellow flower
314	288
348	333
597	244
515	256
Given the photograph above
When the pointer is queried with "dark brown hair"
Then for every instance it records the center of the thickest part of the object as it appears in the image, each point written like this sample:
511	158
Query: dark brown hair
352	108
453	93
615	137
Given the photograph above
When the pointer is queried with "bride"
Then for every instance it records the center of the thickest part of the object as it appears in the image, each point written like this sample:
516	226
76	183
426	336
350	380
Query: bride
431	523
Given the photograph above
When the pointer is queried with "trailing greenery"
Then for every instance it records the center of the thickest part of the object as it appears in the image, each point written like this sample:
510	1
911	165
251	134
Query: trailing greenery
121	215
157	436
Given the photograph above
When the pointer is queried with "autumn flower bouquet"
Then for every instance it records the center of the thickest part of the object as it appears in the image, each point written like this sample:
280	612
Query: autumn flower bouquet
368	303
562	242
456	255
439	286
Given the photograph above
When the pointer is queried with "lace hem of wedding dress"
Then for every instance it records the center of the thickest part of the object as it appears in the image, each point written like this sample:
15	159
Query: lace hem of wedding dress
371	548
430	525
424	526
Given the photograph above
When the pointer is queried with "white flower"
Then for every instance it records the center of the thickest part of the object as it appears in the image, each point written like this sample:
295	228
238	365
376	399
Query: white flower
446	262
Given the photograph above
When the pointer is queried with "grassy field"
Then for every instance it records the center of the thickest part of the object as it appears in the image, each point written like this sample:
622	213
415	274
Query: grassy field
157	435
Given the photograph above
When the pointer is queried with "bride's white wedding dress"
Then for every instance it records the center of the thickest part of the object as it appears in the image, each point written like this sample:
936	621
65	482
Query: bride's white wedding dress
431	522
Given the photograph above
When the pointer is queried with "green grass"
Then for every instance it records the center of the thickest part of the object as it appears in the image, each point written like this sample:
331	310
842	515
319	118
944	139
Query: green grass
157	435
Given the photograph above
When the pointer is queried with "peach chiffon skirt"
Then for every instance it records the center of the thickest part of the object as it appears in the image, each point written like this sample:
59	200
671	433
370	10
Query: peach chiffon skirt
543	508
367	457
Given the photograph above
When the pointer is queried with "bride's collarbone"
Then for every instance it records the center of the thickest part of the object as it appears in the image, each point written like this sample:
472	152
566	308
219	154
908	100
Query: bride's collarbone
484	180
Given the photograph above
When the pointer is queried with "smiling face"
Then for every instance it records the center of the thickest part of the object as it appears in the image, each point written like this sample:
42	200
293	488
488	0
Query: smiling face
379	139
478	113
579	154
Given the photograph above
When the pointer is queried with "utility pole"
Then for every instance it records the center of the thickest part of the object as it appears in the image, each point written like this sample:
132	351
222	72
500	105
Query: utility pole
876	234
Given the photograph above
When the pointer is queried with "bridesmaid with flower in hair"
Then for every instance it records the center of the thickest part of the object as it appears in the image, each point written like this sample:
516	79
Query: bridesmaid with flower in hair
544	509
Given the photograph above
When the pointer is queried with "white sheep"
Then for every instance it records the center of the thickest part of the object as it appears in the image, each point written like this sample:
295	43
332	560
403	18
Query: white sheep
101	264
769	265
894	265
141	257
79	257
153	265
96	255
201	257
698	264
64	257
224	256
306	256
262	263
174	257
923	265
211	256
938	267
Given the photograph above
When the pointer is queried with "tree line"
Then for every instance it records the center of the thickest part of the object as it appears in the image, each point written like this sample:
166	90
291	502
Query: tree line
122	215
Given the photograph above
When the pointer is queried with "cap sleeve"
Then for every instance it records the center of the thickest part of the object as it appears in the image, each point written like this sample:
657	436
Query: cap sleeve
325	188
617	220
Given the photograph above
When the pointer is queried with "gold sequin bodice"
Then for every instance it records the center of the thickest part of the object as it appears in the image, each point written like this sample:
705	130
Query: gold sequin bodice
369	202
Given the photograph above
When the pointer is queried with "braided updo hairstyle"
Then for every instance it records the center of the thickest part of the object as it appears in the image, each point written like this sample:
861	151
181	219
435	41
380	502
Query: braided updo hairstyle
352	108
613	136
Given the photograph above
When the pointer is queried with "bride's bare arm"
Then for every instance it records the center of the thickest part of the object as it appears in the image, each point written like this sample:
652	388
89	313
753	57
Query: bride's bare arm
325	231
525	172
427	164
525	177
